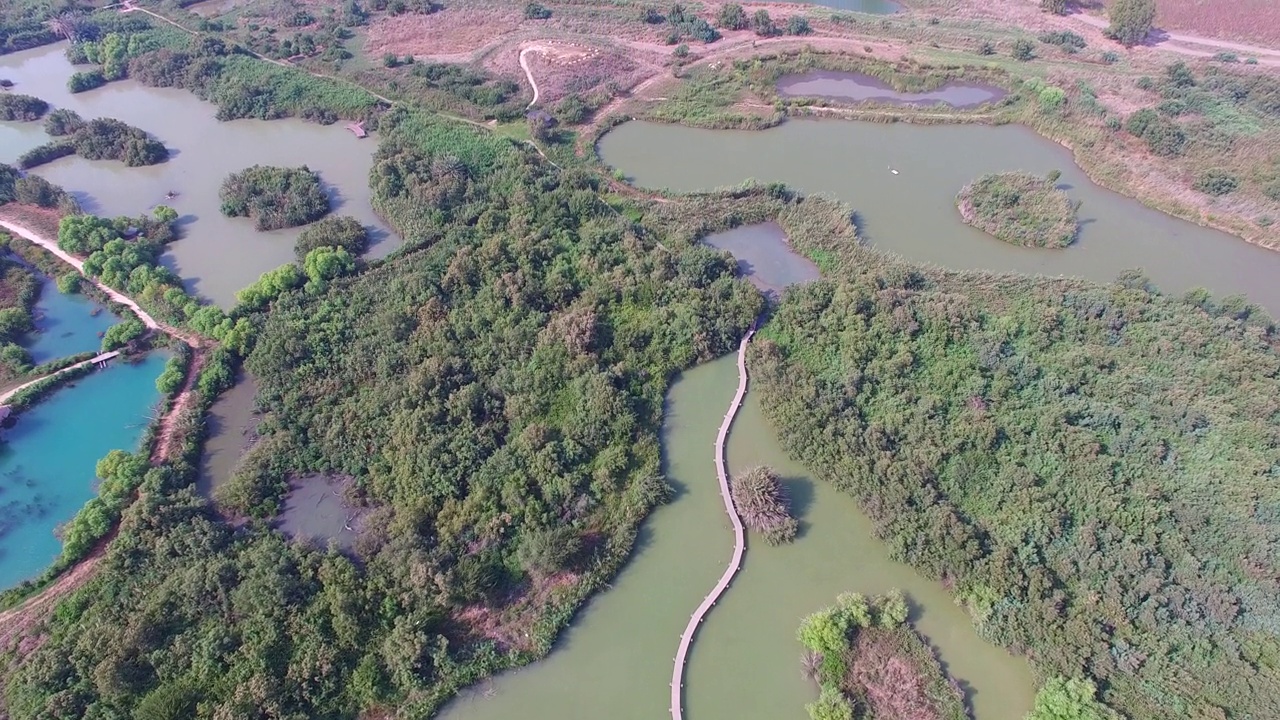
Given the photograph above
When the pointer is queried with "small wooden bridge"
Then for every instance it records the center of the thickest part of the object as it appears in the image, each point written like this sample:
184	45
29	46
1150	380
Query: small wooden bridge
101	360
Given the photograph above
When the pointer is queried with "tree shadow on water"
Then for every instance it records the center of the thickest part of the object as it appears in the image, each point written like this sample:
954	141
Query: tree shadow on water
800	494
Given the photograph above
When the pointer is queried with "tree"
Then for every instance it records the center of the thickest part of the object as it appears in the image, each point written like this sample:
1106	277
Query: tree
1057	7
1069	699
118	336
1023	49
732	17
1131	21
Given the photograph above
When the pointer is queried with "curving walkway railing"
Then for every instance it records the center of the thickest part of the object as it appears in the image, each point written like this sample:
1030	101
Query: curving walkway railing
739	540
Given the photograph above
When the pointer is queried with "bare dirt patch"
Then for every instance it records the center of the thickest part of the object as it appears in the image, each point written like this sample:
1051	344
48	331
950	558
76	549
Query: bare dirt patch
509	626
563	67
452	31
1248	20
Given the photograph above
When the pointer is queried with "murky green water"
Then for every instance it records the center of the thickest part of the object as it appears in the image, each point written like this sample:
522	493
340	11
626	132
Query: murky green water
65	325
913	213
217	255
871	7
764	257
229	425
48	459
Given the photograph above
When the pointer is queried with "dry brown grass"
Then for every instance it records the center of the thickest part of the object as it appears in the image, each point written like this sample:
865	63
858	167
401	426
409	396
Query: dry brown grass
1245	20
510	625
456	30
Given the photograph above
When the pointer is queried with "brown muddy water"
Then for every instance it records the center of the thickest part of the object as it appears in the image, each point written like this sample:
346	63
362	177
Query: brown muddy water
858	87
216	255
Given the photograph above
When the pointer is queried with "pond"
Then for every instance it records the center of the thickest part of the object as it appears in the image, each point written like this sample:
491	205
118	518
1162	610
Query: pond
48	459
858	87
230	428
913	213
65	324
764	257
871	7
615	661
216	255
316	511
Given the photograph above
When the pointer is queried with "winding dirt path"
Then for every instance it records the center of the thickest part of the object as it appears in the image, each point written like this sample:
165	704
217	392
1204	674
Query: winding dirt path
1177	42
524	65
739	540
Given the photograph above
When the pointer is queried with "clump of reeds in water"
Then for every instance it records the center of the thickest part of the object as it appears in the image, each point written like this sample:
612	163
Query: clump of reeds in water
762	504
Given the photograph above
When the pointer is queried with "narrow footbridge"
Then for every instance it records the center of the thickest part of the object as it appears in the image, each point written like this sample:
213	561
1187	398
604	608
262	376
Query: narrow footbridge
739	539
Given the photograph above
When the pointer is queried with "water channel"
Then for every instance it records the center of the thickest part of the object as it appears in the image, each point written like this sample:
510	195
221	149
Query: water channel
913	213
216	255
48	459
65	324
858	87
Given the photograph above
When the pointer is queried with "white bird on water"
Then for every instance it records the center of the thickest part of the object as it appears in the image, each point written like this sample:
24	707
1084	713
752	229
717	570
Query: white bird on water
895	172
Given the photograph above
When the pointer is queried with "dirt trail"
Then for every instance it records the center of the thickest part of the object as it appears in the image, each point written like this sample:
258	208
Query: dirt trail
1178	42
739	539
166	434
524	65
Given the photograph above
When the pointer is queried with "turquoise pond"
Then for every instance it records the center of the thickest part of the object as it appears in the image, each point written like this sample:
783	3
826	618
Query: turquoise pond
65	325
48	458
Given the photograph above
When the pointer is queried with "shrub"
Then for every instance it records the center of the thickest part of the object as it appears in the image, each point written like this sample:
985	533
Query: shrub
86	80
681	51
122	334
1064	39
987	48
63	122
762	24
336	232
274	197
1163	136
42	154
651	16
1023	50
1057	7
69	282
798	25
534	11
761	500
1226	57
1020	208
732	17
1110	57
1216	183
22	108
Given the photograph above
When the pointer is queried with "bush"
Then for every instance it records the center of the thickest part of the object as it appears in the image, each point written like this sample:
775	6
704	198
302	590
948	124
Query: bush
651	16
119	335
171	379
274	197
798	25
86	80
762	24
1216	183
35	190
762	502
69	282
987	48
46	153
1226	57
21	108
1163	136
1023	50
63	122
336	232
1110	57
732	17
1064	39
1057	7
1020	208
534	11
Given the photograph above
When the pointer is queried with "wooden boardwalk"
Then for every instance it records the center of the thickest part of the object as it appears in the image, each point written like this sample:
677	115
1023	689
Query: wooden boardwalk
739	540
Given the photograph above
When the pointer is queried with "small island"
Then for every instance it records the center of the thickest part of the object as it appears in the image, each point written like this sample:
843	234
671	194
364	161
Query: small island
98	139
274	197
868	661
762	504
1020	209
343	232
15	107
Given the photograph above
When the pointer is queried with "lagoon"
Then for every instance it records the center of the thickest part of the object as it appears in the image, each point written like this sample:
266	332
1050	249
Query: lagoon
65	324
48	459
216	255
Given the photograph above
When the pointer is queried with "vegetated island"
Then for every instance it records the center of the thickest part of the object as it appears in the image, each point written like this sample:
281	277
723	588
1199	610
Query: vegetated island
869	662
1020	209
98	139
762	503
21	108
274	197
342	231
